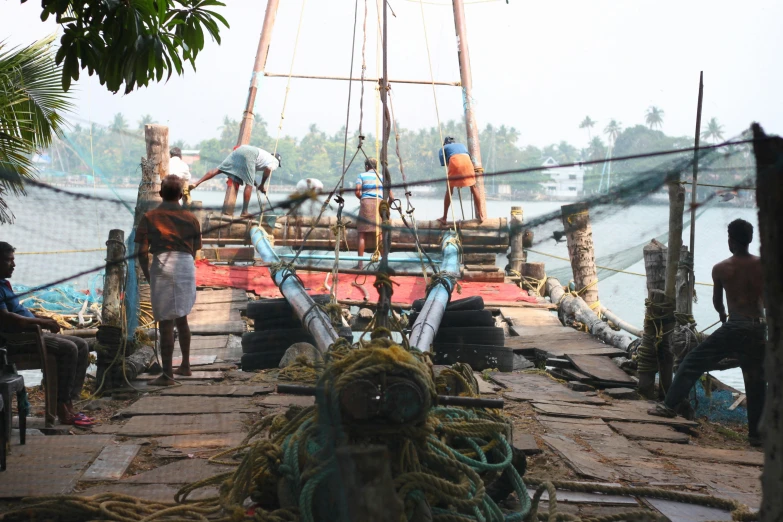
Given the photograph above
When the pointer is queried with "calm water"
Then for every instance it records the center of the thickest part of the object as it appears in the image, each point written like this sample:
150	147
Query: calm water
47	221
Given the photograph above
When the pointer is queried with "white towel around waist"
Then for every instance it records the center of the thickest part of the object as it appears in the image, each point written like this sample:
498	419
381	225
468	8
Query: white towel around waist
172	285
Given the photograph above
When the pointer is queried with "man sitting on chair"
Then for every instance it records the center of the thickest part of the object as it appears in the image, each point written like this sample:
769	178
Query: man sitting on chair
72	353
172	235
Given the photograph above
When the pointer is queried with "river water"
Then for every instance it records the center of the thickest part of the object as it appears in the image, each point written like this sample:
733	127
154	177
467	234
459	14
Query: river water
48	221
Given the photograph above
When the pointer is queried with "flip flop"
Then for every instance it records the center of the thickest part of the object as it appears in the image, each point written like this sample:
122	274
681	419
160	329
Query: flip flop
81	423
82	416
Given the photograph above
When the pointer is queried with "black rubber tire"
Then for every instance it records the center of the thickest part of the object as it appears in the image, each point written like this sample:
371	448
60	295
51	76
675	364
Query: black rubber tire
486	335
274	340
261	361
276	308
468	303
277	323
461	318
478	356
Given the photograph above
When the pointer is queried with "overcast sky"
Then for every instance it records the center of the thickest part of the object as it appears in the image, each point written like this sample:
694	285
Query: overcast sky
538	66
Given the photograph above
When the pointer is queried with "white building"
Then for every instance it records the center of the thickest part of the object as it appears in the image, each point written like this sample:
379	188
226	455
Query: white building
566	182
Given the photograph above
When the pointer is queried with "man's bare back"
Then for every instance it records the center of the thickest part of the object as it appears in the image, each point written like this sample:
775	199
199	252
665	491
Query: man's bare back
741	277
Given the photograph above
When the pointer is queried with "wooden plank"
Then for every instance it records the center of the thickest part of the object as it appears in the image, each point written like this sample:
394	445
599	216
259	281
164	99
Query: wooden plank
228	295
195	360
691	451
180	472
197	376
150	492
228	254
519	317
211	342
525	442
215	440
531	386
585	431
168	405
652	432
575	497
484	386
619	411
161	425
681	512
583	462
483	277
482	268
213	316
286	401
222	390
49	465
601	368
228	327
112	462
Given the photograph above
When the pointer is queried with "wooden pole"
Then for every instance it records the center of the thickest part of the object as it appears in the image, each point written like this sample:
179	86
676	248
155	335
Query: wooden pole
769	196
248	115
157	139
655	267
471	127
676	210
384	293
115	276
517	255
685	282
359	79
695	183
579	237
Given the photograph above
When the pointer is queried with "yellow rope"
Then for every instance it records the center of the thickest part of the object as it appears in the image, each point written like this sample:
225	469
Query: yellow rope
601	267
60	252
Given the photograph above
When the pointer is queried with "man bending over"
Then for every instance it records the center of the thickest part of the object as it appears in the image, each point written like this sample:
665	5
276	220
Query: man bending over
741	336
172	235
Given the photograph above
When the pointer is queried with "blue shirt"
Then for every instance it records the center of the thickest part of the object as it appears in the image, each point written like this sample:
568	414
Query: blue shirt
451	149
9	301
370	185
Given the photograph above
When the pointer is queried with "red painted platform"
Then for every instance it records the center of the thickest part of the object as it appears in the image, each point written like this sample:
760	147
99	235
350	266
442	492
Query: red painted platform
406	288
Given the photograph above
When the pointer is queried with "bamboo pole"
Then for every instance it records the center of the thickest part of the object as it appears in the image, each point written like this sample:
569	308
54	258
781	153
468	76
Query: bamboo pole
695	183
769	195
371	80
384	291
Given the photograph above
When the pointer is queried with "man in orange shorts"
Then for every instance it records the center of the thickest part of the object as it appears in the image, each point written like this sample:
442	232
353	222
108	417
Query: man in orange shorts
461	174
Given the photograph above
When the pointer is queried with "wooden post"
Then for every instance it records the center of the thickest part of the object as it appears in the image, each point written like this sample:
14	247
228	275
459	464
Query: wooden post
684	283
384	292
655	268
367	484
471	127
676	210
157	138
115	276
769	196
579	237
516	255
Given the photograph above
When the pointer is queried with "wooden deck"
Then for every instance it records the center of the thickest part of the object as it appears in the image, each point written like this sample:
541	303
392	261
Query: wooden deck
156	444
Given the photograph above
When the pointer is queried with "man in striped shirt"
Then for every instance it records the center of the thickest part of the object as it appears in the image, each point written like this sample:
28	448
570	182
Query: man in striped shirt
369	190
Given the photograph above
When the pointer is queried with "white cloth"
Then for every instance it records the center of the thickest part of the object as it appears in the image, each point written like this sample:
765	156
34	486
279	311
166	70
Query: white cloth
265	160
309	184
172	285
179	168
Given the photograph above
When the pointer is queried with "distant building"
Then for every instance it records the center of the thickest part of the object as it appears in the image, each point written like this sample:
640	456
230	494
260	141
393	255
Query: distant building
504	189
191	156
566	182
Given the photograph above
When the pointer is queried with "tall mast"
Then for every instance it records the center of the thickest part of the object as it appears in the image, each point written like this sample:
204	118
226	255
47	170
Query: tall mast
471	126
384	293
246	126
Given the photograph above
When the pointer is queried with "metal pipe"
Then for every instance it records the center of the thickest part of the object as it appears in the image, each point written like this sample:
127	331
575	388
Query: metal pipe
312	317
372	80
325	257
443	400
426	326
471	126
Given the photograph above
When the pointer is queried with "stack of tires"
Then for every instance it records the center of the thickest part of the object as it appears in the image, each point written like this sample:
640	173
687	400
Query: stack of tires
468	334
275	329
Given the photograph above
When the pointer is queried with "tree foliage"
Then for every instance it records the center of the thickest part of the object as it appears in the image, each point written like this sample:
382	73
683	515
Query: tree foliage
131	43
654	117
31	108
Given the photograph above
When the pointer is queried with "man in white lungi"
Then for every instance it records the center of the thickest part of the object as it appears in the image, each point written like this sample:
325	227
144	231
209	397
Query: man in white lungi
172	235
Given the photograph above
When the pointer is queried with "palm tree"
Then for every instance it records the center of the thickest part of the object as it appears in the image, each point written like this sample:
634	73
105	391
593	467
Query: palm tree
118	123
654	117
588	124
714	130
612	131
32	104
145	120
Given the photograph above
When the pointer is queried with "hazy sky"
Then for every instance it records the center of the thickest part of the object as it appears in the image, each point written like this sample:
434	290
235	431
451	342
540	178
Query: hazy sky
537	66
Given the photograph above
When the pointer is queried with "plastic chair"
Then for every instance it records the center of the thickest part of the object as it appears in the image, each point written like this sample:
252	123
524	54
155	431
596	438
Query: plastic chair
11	384
27	351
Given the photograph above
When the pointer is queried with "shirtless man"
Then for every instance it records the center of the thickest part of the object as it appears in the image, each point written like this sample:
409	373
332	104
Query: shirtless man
741	336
